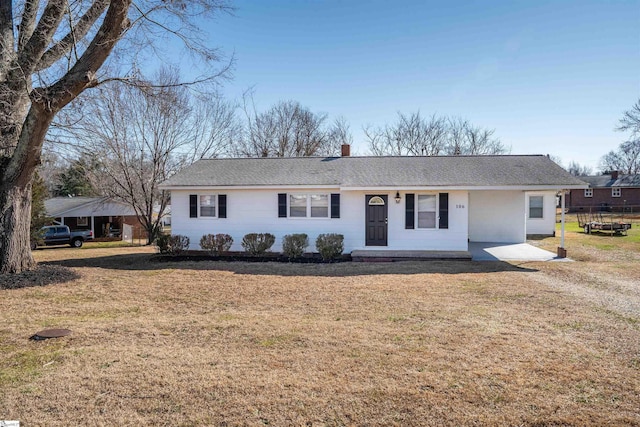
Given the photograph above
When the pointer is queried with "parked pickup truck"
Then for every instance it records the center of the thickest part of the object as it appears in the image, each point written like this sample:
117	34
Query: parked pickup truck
61	235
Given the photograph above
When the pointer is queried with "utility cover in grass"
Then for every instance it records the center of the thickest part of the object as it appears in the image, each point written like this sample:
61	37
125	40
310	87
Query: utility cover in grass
50	333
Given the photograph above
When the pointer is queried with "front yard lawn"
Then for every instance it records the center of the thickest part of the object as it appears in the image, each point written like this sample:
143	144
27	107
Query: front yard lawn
409	343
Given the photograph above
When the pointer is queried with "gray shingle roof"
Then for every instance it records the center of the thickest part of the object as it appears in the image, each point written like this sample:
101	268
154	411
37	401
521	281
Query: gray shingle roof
605	181
445	171
58	205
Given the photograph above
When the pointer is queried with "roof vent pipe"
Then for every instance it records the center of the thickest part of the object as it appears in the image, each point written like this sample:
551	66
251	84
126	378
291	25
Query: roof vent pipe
346	150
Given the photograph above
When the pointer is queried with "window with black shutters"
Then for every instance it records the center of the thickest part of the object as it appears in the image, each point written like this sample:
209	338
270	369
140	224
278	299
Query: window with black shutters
427	211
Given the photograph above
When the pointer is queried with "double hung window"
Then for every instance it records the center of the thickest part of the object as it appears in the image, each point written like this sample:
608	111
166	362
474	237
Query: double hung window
536	207
427	211
207	205
309	205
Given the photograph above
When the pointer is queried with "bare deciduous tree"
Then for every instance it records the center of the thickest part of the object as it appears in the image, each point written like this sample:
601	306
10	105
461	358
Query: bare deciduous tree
630	121
414	135
140	136
289	130
411	135
626	159
49	54
339	135
576	169
466	138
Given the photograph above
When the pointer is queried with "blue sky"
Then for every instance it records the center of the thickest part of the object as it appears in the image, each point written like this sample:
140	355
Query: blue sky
551	77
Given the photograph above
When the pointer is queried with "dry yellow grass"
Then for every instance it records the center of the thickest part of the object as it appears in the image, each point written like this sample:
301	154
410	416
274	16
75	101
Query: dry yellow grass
411	343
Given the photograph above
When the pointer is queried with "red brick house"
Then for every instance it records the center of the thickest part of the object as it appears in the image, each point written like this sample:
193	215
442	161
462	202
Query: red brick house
606	193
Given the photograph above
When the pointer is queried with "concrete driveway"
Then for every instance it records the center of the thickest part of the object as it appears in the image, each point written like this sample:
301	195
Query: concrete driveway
487	251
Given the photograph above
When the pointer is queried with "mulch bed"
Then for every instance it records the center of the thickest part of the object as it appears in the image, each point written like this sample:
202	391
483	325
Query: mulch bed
42	275
307	258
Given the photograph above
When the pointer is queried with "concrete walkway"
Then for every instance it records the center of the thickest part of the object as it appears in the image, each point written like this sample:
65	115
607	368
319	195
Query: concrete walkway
486	251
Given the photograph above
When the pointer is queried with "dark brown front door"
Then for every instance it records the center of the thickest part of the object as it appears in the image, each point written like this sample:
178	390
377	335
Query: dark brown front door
376	219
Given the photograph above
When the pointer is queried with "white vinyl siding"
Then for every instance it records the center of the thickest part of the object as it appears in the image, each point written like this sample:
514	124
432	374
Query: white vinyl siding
256	211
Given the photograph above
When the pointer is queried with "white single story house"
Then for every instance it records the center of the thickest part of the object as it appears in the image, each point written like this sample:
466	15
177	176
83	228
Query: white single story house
438	203
101	215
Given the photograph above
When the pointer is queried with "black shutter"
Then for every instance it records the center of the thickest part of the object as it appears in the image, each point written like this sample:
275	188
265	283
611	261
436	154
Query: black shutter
222	205
282	205
335	205
409	211
444	210
193	206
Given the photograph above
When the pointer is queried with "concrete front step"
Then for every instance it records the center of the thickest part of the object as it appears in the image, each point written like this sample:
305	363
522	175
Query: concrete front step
377	255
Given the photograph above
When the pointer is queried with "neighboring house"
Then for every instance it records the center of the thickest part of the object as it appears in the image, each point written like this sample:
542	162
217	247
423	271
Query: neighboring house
615	192
394	203
102	215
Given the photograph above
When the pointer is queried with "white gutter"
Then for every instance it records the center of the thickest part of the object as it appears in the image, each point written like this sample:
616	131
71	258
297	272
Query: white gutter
247	187
467	188
381	188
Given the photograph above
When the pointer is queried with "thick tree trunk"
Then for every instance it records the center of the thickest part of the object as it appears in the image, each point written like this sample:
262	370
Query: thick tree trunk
16	175
15	214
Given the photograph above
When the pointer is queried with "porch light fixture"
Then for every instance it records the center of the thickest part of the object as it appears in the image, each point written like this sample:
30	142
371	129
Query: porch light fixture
398	198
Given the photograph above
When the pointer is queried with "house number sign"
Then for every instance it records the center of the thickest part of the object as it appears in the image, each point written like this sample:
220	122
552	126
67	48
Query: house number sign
459	206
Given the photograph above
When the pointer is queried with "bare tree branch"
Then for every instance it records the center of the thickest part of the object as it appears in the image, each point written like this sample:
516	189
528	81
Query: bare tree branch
630	120
83	73
33	49
77	31
6	37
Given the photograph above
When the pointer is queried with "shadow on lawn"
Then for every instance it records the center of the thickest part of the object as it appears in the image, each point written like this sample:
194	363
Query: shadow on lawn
42	275
339	269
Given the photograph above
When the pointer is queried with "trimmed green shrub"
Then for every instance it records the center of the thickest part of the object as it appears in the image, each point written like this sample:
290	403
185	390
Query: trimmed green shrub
258	243
330	245
172	245
162	243
293	245
216	244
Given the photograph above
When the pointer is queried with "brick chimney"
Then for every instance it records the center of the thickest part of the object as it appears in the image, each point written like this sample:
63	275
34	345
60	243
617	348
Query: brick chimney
614	174
346	150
